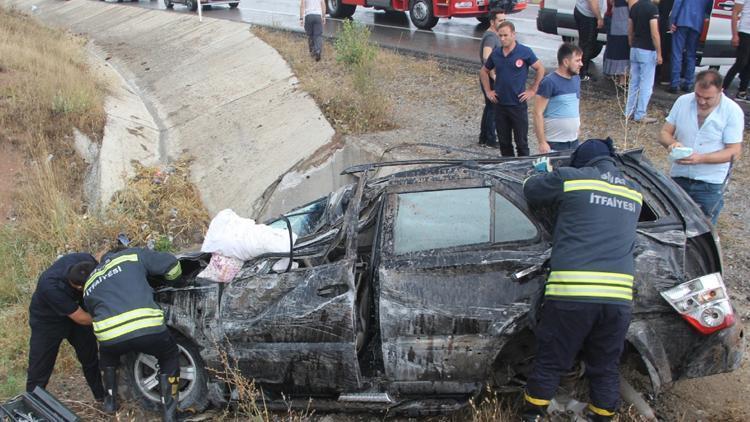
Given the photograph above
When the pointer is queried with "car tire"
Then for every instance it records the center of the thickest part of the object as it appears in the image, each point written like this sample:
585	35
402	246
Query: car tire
338	10
168	4
483	20
233	5
141	378
597	48
192	5
421	14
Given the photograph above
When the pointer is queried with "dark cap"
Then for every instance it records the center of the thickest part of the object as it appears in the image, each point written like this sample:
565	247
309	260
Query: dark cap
590	149
80	272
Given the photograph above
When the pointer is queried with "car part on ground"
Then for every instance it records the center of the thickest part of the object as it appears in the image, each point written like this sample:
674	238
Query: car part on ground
39	405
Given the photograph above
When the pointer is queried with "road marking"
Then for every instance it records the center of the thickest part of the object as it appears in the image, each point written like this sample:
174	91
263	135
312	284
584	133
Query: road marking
447	34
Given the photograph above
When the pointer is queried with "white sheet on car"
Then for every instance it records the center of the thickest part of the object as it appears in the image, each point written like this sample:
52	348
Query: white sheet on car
242	238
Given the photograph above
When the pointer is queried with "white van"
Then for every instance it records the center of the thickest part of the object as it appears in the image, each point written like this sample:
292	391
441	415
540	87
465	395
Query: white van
714	49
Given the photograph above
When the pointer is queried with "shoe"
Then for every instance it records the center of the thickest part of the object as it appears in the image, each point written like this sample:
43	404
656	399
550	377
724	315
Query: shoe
687	88
741	96
110	405
673	90
317	57
169	387
585	78
647	120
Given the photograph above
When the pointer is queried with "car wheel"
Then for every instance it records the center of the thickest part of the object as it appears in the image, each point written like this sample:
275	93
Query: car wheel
192	5
338	10
420	12
141	378
233	5
483	20
168	4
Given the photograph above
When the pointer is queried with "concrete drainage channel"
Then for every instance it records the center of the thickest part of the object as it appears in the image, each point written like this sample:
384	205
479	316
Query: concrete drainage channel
211	91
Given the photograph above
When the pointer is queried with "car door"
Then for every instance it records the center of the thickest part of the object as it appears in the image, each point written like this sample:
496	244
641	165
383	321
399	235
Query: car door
445	290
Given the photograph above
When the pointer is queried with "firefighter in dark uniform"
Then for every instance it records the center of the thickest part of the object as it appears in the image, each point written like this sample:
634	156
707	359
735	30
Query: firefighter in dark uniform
126	319
589	292
55	314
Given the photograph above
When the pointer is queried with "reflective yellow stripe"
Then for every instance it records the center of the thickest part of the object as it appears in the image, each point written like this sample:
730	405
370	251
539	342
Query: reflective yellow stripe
125	317
602	186
535	401
618	276
585	291
175	272
129	328
599	411
591	277
108	266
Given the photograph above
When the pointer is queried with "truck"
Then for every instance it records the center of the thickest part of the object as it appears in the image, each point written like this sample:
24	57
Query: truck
424	14
714	47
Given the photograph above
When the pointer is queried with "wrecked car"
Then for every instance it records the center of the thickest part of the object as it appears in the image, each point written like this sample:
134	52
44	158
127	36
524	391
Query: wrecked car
412	292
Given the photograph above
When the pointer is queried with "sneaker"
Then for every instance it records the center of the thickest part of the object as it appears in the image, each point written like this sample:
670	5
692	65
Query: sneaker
648	120
742	96
687	88
585	78
673	90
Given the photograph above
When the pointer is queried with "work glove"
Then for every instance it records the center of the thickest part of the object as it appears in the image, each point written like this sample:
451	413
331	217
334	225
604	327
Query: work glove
542	165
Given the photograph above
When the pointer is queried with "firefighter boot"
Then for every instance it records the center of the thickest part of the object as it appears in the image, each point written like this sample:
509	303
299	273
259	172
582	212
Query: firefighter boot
597	414
169	387
534	410
110	385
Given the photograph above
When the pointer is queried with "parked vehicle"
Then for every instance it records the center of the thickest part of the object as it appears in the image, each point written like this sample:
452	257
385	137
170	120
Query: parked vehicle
415	290
193	4
424	14
714	49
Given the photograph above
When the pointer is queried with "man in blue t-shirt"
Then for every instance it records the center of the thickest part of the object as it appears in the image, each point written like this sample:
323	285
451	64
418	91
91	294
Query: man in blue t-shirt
511	63
556	105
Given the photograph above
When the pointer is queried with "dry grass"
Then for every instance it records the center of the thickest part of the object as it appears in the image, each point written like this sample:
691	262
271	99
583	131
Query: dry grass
46	90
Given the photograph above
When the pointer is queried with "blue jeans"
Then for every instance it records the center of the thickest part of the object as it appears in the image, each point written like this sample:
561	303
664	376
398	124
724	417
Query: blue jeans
707	195
563	146
684	39
642	70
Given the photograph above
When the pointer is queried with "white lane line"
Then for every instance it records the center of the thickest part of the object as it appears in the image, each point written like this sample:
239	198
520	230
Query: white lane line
447	34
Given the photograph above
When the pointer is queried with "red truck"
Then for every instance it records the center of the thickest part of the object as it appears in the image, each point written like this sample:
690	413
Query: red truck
424	14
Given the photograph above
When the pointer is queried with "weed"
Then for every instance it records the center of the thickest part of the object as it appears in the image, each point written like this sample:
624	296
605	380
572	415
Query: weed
353	45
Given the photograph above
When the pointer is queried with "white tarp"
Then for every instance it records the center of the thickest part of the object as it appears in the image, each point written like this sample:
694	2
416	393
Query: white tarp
237	237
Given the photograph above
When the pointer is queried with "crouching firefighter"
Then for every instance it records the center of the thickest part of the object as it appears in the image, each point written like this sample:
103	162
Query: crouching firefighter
126	319
589	292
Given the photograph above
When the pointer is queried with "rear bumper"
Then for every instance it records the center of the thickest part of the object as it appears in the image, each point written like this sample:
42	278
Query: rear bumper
721	352
456	9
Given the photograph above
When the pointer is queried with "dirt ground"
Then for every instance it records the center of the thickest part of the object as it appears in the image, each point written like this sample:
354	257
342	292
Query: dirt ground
446	110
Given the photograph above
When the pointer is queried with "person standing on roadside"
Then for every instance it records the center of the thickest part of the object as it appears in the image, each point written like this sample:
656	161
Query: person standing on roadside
645	54
664	70
686	24
556	105
617	52
589	16
490	41
741	41
511	62
312	18
55	314
712	125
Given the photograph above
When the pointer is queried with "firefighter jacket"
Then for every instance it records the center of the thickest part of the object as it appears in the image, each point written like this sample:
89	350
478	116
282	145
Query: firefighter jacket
119	298
594	236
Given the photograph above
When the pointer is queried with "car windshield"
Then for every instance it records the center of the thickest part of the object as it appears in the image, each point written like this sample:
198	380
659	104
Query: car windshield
305	220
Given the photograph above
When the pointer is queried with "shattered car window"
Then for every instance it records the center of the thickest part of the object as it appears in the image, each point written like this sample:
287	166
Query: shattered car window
305	220
510	223
441	219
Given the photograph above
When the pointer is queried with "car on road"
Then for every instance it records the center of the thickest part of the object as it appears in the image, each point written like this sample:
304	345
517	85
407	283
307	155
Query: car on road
412	292
714	48
193	4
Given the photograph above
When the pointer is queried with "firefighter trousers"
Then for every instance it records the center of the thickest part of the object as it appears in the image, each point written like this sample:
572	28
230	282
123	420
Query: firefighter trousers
565	329
160	345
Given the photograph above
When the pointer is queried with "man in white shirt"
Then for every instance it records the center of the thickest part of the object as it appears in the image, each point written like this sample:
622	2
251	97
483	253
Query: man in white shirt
740	40
312	18
711	124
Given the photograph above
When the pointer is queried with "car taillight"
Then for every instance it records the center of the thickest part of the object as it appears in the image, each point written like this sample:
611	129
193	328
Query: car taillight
703	302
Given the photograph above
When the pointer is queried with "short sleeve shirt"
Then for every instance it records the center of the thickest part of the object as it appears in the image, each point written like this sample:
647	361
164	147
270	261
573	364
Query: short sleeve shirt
562	115
584	7
723	126
511	72
489	39
641	14
54	299
744	24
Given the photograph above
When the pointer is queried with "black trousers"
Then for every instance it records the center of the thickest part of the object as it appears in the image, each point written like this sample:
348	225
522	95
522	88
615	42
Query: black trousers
314	30
512	122
487	133
742	65
566	328
160	345
43	348
587	32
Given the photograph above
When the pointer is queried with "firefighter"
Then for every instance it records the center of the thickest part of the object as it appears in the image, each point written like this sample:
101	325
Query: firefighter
589	291
55	314
126	319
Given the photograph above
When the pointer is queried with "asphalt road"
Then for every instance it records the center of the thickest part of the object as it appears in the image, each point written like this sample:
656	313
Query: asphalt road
451	38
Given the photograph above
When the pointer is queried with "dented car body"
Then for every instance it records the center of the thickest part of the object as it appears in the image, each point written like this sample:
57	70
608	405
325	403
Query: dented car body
414	291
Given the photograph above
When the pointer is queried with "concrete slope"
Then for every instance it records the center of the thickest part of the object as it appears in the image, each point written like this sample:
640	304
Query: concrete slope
215	91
